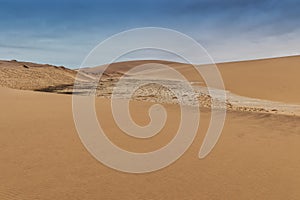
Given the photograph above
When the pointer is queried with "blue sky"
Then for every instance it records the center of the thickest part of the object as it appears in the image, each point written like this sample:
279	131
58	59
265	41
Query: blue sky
63	32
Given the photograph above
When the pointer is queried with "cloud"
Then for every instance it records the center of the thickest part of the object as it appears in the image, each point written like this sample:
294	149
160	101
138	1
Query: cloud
69	29
11	46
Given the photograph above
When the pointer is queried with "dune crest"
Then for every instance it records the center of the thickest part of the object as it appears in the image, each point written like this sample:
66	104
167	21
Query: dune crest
256	86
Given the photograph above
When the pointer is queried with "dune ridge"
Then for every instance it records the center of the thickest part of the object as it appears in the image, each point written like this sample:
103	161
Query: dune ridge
256	157
255	86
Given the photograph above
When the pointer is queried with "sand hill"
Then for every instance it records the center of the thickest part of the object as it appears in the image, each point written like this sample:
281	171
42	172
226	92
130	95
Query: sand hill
42	157
257	156
31	76
275	79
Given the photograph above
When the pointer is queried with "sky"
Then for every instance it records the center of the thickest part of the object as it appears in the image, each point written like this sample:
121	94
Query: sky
63	32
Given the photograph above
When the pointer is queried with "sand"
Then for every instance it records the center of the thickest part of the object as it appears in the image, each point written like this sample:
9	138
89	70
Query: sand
43	158
275	79
256	157
32	76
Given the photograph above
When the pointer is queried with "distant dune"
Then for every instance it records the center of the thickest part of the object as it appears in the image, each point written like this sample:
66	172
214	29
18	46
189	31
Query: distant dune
255	81
32	76
275	79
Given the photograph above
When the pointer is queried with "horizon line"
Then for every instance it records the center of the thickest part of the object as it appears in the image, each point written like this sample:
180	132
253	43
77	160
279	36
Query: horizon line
172	61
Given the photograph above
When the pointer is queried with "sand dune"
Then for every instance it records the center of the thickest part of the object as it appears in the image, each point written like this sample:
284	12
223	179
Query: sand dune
32	76
275	79
271	79
42	157
267	85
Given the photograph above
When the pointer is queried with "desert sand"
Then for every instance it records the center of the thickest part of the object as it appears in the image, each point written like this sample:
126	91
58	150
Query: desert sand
256	156
275	79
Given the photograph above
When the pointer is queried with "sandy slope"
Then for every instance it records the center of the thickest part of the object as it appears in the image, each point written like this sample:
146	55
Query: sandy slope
274	79
257	156
271	79
32	76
